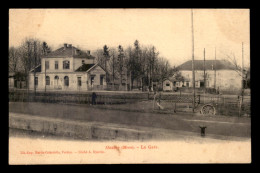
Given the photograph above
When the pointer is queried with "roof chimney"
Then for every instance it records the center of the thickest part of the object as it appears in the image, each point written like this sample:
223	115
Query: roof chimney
65	45
88	51
69	45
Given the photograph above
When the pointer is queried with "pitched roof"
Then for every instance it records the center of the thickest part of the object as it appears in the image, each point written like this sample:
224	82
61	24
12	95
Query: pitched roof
70	51
84	67
37	69
209	65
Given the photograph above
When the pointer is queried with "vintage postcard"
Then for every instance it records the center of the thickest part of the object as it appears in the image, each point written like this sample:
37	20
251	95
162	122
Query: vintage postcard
118	86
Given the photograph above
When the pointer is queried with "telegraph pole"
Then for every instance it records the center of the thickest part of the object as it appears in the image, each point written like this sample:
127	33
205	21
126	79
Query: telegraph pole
242	73
215	72
204	77
28	65
204	73
45	74
242	82
35	54
193	73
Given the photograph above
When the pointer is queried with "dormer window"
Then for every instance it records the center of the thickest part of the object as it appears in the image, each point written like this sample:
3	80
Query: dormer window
66	64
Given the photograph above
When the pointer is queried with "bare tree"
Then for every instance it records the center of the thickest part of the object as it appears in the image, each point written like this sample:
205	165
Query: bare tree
13	59
30	52
152	59
128	65
113	64
141	63
120	62
45	48
245	73
99	54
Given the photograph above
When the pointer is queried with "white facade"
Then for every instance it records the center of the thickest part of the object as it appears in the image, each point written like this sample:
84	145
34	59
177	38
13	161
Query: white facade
56	77
167	85
225	79
11	82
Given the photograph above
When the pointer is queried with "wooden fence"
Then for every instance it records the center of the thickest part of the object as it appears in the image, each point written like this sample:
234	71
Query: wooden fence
224	105
79	98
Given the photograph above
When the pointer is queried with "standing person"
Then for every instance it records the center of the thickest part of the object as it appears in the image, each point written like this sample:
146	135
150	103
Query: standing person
94	96
202	130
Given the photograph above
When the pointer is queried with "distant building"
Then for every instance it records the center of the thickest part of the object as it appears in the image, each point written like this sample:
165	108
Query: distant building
68	69
167	85
11	80
17	80
226	79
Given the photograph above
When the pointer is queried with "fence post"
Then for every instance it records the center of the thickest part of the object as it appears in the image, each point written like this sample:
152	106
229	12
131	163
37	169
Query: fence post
224	105
23	97
218	104
154	100
240	106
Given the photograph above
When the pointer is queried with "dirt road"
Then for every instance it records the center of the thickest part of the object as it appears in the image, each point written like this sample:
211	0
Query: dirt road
227	126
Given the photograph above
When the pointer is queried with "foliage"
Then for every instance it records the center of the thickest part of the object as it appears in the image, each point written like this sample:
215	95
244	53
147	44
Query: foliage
137	64
238	68
27	56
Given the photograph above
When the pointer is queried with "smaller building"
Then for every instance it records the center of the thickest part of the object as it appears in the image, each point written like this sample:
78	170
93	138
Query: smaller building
168	85
219	74
11	80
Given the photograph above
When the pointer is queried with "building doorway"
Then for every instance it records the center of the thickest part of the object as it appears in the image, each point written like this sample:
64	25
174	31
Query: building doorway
56	82
202	84
79	83
92	78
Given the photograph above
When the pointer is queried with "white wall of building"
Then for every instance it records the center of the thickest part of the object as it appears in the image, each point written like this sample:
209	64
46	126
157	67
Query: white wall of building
167	85
97	72
78	62
59	84
11	82
60	64
225	79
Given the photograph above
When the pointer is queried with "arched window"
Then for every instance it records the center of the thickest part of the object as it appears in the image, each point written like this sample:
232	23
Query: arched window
47	80
56	80
66	81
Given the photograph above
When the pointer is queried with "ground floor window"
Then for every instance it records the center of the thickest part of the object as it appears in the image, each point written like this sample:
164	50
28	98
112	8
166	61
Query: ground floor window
201	84
47	80
66	81
36	81
92	80
101	80
79	81
56	79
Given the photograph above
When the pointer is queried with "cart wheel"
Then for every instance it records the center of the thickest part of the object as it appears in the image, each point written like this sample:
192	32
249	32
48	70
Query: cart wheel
208	110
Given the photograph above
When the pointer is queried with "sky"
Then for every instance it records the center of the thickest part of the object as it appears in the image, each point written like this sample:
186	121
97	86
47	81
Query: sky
169	30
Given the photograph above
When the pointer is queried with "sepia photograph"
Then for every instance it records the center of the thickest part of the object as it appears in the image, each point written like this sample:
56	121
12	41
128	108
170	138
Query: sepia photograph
129	86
